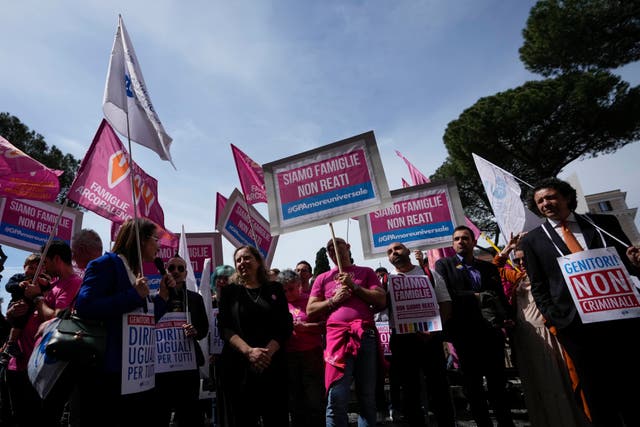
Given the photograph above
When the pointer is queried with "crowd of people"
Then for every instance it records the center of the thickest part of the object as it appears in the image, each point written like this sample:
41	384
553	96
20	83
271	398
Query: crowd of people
293	344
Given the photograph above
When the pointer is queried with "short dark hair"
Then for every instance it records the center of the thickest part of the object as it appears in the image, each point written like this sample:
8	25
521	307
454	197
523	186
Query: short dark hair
382	270
305	263
60	248
564	188
465	228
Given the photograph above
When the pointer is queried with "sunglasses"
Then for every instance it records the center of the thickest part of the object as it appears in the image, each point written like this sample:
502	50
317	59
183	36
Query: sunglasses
173	267
518	260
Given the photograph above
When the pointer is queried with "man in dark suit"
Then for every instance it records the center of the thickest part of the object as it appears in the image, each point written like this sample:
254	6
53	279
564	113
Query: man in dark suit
597	349
475	287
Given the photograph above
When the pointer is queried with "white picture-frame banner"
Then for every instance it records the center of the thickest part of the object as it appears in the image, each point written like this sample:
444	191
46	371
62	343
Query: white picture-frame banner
26	224
239	227
423	216
334	182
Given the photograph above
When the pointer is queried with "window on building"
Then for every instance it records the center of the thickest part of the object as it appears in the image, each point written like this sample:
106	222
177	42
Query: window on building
605	206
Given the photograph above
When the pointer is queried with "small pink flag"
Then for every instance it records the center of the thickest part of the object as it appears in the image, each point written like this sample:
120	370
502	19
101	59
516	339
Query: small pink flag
251	177
22	177
417	177
221	201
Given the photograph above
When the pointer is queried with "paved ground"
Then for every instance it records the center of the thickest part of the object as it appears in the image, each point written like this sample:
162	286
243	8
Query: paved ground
520	419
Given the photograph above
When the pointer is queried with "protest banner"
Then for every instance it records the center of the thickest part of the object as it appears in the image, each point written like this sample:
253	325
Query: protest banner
174	350
242	227
414	304
384	335
423	216
600	285
201	246
138	351
333	182
26	224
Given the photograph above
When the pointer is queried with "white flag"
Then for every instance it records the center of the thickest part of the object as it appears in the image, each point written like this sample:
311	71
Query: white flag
183	252
125	93
205	288
205	292
503	192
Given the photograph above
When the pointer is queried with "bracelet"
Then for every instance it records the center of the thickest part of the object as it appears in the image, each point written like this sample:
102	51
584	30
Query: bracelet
330	304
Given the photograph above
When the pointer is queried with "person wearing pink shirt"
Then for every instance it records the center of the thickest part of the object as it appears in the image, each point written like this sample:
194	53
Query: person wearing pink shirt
304	357
27	406
347	297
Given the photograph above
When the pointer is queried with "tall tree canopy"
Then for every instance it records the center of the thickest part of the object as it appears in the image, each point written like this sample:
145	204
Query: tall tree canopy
34	145
569	35
533	131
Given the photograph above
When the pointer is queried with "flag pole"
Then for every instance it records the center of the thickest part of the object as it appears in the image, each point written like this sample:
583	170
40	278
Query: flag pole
133	197
253	232
335	248
508	173
54	231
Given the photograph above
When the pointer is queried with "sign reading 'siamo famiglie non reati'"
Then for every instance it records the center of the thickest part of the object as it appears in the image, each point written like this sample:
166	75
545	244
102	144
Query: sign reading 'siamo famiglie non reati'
333	182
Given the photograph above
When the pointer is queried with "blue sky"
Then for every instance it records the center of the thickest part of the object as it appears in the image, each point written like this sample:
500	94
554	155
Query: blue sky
273	78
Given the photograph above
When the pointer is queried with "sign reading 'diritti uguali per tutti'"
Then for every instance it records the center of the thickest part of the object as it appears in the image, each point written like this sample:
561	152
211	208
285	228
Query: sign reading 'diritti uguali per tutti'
600	285
422	216
337	181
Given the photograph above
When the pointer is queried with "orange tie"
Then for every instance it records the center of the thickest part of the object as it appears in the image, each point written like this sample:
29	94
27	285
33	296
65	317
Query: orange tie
569	239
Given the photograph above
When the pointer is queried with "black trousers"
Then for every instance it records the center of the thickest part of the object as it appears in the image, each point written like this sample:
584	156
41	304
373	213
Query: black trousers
415	353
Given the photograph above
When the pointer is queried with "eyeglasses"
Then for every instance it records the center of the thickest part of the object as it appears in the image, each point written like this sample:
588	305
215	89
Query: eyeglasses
173	267
518	260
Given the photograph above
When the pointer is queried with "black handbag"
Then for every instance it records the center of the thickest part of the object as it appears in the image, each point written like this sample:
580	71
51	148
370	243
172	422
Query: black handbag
77	340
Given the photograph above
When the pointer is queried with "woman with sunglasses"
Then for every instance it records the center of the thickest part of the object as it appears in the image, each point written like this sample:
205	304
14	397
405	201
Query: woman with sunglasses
254	322
180	391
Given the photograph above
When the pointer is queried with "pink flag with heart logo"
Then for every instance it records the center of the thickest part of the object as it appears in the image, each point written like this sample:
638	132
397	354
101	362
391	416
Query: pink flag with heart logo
103	182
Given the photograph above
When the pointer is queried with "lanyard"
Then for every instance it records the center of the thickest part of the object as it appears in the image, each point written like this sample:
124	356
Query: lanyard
586	218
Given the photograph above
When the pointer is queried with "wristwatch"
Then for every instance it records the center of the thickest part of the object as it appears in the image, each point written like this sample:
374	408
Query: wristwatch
355	287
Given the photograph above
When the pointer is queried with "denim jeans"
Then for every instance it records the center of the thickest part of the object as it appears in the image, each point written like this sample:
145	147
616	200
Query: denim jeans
364	370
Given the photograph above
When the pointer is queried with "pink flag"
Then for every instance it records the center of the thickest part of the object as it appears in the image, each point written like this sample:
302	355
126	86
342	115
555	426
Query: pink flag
103	185
405	184
220	202
251	177
22	177
416	176
434	255
473	227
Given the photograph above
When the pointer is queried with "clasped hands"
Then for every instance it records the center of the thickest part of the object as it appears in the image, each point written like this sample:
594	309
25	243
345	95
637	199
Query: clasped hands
259	358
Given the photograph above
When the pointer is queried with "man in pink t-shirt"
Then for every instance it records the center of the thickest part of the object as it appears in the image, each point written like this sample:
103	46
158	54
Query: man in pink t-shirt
26	404
347	297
